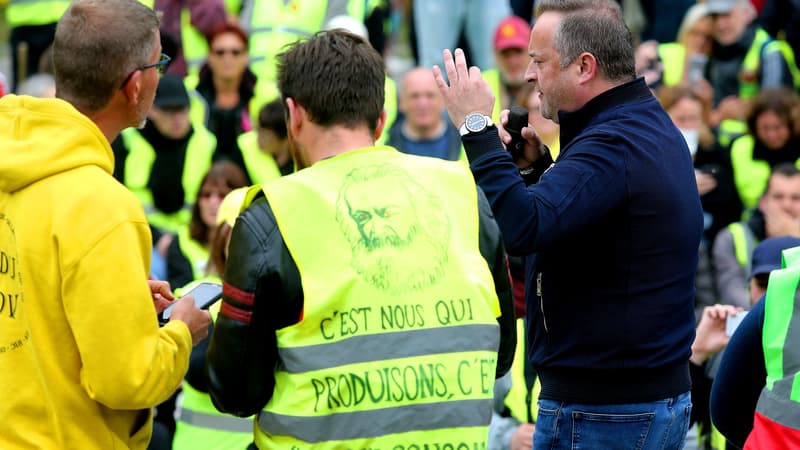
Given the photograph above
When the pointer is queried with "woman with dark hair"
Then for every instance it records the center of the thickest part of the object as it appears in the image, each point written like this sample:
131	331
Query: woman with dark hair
772	139
221	432
227	84
188	253
689	110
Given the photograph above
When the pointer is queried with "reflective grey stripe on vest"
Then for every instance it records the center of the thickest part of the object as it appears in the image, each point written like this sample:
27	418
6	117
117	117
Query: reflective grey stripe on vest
216	422
195	62
279	28
384	346
777	404
380	422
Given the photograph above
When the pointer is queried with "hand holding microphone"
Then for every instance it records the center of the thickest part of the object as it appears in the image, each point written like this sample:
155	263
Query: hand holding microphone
517	120
525	146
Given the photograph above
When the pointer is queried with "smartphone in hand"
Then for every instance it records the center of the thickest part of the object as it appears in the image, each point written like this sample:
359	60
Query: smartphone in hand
732	322
205	294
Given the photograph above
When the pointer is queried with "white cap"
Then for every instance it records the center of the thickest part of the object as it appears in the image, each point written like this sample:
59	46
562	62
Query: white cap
348	23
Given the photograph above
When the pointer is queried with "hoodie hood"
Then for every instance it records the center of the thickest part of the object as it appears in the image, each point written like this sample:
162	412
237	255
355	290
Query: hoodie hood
43	137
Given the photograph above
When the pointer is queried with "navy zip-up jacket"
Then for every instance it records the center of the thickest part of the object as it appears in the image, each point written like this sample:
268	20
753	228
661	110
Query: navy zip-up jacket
611	233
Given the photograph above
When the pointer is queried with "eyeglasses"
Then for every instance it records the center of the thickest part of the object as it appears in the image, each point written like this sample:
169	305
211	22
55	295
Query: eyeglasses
161	66
232	51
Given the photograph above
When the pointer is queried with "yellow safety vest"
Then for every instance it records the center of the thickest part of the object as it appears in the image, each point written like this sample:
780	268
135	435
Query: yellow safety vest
199	426
763	43
744	242
749	175
139	164
34	12
233	7
261	166
729	130
265	92
362	9
520	401
198	106
195	47
390	106
673	57
195	252
492	76
780	398
398	341
276	23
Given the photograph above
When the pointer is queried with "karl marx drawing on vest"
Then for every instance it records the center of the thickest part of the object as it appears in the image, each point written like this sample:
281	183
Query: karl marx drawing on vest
396	230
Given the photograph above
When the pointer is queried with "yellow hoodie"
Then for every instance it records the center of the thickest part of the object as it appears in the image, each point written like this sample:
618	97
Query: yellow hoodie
82	359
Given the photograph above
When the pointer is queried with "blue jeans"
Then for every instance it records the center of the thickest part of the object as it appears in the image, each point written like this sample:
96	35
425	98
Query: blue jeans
439	23
642	426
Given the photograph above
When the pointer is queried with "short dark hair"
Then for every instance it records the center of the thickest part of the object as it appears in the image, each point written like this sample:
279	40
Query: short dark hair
272	116
337	76
781	101
97	44
784	169
596	27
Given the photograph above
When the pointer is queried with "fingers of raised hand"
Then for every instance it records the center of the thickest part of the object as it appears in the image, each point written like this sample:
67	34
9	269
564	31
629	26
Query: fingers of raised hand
450	66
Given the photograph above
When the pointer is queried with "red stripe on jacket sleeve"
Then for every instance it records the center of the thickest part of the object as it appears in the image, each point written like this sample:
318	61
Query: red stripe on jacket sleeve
235	313
234	293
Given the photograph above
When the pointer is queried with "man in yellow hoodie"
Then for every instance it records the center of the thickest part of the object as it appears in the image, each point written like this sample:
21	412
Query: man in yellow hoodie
82	359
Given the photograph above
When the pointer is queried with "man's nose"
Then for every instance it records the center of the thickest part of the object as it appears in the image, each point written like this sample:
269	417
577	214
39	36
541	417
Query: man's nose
530	74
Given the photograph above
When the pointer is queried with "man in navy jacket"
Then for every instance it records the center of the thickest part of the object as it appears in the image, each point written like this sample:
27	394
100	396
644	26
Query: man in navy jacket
610	231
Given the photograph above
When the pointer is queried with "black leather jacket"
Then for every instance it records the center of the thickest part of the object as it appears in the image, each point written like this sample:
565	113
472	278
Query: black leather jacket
262	287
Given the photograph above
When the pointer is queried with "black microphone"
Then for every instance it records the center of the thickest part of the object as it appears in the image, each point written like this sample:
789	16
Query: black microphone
517	120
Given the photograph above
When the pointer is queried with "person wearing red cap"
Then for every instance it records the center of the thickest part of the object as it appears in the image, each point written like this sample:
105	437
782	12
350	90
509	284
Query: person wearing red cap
511	58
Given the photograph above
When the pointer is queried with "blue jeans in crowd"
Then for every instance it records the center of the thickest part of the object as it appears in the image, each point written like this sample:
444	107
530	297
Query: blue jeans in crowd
659	425
439	22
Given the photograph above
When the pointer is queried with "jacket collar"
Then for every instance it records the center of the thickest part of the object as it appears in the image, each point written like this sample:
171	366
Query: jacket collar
574	122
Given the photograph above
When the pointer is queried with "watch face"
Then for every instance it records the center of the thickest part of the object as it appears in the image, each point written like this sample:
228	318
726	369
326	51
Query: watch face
476	122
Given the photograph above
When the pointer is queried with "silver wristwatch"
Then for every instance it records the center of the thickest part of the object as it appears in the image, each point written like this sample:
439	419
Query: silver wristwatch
475	123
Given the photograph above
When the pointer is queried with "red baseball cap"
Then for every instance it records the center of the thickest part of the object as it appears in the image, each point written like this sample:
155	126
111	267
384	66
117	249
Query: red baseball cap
512	32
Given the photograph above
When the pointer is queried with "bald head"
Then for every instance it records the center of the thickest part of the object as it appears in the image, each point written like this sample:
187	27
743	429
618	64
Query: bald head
421	101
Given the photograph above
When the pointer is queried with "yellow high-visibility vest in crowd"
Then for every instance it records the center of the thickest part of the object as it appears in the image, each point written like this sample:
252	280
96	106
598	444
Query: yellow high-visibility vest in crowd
763	43
198	425
139	164
195	252
397	345
776	423
276	23
34	12
673	57
521	400
749	175
195	47
261	166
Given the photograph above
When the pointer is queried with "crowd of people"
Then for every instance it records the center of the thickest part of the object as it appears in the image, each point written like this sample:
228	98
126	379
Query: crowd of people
393	274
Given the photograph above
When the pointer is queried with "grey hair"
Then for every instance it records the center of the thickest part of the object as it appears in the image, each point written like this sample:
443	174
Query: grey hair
98	43
596	27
